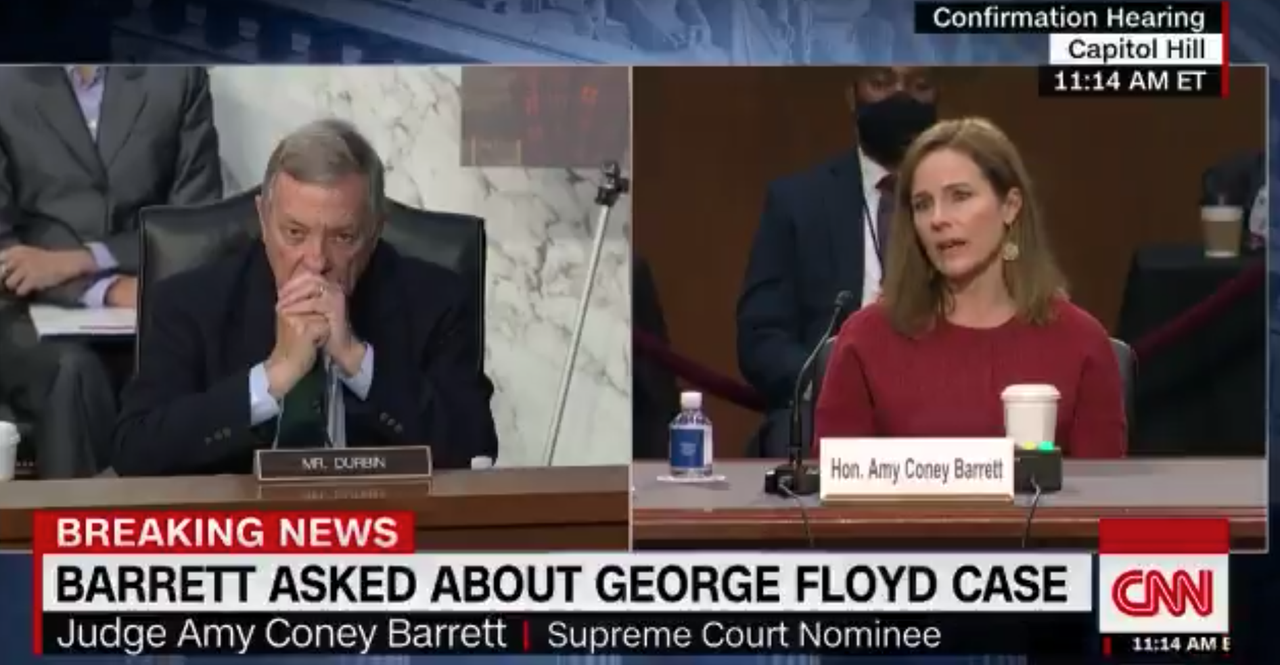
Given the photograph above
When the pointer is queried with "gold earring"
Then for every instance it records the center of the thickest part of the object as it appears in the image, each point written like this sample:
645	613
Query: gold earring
1010	251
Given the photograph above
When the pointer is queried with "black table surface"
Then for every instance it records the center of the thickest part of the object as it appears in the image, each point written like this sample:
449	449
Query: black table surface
1209	386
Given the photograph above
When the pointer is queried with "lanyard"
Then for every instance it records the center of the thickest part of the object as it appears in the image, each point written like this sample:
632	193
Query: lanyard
875	233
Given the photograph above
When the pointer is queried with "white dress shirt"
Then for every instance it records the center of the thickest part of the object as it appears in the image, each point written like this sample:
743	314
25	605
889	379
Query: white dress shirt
89	85
1258	221
872	271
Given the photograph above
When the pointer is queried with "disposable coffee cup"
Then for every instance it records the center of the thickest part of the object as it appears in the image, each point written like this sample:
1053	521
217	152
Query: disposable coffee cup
1223	227
9	439
1031	415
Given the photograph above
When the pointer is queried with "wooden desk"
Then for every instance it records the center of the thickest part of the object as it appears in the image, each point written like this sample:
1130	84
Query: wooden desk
737	514
532	509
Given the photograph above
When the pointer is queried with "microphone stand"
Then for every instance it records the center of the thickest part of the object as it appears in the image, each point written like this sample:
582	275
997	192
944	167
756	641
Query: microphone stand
332	403
795	478
612	186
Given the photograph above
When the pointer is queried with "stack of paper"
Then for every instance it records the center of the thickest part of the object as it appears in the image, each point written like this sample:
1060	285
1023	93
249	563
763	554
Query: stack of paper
54	321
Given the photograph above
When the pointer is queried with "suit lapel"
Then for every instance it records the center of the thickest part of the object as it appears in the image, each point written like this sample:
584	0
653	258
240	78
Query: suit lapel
257	321
258	316
56	104
123	99
373	301
845	211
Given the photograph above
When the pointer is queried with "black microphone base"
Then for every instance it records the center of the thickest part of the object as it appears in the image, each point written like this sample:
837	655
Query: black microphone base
1032	468
792	479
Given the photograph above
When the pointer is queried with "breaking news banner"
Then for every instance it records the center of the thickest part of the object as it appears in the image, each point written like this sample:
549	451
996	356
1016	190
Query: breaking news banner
1106	49
345	583
1164	589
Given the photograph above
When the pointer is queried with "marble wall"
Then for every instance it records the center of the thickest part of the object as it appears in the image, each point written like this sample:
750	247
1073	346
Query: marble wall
540	224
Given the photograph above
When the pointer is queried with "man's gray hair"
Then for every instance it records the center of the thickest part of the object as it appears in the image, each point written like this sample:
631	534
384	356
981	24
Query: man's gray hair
323	152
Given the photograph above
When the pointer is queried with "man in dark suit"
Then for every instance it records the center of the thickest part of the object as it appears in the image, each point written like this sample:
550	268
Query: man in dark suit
236	354
822	232
82	149
1240	180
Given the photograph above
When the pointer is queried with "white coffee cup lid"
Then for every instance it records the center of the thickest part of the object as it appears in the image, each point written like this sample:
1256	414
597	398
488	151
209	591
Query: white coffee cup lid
1030	392
8	433
1222	211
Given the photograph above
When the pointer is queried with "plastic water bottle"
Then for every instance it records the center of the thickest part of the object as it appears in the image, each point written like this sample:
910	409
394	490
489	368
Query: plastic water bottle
691	440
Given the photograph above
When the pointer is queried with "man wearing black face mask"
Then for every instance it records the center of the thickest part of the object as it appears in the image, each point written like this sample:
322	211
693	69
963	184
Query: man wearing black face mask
823	231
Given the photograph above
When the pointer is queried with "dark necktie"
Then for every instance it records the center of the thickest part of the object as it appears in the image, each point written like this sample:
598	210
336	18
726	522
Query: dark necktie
884	215
301	423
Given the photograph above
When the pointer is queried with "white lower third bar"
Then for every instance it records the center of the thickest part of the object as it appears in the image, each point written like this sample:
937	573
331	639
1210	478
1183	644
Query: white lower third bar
1137	50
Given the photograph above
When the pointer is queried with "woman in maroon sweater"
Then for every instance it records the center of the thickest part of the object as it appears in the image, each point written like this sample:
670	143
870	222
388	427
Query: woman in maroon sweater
972	303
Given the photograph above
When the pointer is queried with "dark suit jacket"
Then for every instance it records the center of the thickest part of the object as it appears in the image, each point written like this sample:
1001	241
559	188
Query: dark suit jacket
808	248
187	409
1240	177
59	189
656	398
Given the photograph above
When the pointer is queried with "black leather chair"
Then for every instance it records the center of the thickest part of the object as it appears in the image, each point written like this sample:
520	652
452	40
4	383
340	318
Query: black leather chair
178	238
1128	382
1124	356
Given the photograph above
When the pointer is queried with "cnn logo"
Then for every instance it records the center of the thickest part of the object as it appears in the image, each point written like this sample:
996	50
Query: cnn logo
1156	594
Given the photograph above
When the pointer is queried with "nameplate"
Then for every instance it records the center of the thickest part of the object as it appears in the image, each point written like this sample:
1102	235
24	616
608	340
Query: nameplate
916	469
329	464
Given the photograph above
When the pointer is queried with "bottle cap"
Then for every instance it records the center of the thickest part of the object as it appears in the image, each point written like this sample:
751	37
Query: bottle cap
690	400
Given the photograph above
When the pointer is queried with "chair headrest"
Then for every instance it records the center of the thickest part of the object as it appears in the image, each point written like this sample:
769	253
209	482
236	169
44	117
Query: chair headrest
1124	352
177	238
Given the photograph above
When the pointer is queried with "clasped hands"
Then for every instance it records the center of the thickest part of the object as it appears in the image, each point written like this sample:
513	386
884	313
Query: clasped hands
26	270
311	318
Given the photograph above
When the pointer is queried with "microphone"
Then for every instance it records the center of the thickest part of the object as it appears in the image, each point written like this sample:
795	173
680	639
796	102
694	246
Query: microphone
275	438
795	477
332	403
